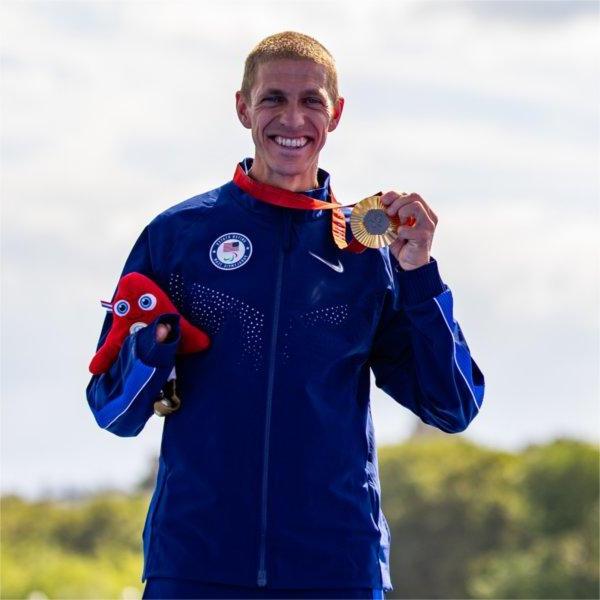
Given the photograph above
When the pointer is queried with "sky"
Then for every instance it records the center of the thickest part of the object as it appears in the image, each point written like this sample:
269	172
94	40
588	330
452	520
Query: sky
112	112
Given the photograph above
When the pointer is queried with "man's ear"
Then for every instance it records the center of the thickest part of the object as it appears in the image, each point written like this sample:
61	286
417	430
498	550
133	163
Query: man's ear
338	107
241	106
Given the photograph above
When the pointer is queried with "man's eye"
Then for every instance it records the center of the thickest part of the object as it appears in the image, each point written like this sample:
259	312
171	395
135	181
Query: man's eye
274	99
313	100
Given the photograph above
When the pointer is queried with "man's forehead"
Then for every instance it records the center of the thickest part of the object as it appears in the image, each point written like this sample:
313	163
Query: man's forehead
297	73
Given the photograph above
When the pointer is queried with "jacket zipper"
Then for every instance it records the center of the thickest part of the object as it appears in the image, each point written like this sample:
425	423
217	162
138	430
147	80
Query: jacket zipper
262	571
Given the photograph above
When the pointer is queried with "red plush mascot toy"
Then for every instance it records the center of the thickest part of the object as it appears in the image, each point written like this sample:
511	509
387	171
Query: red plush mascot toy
138	301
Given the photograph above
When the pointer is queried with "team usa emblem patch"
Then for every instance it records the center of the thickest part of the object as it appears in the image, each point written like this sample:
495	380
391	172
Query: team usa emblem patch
230	251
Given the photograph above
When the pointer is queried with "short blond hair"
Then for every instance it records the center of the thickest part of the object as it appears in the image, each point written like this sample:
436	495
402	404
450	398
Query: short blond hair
294	45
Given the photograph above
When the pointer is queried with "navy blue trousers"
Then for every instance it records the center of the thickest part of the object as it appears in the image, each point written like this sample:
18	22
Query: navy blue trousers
168	588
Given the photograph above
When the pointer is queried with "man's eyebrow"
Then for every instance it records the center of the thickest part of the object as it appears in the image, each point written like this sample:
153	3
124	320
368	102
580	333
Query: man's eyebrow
272	91
308	92
314	92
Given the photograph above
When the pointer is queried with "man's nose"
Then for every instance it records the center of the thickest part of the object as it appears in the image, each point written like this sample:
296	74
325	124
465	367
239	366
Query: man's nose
292	116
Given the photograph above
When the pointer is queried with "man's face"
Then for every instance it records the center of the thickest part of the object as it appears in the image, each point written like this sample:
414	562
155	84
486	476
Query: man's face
290	114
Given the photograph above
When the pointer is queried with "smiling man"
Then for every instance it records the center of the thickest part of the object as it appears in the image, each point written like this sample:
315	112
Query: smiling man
290	105
268	483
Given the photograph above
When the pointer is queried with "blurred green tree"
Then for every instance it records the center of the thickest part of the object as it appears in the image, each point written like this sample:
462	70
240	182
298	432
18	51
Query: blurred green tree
555	554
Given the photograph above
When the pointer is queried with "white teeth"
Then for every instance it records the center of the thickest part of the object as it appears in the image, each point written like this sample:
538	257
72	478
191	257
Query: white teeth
291	142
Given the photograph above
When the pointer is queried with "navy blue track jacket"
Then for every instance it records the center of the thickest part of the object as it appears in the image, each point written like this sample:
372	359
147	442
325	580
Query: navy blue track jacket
268	472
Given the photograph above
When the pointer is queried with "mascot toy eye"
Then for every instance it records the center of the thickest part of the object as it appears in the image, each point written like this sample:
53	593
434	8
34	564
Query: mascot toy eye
138	301
147	301
121	308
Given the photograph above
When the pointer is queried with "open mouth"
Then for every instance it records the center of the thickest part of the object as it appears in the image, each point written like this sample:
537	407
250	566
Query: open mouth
290	143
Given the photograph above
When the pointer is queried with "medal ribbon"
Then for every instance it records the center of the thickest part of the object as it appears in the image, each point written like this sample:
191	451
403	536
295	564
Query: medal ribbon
287	199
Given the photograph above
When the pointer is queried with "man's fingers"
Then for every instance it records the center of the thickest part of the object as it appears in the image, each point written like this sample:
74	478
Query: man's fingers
391	195
162	331
405	210
401	201
395	201
413	234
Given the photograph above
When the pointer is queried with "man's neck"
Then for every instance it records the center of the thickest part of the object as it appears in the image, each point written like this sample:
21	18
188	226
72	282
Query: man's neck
294	183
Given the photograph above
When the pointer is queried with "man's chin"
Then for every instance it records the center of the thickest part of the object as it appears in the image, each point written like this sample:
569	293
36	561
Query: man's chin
290	165
275	164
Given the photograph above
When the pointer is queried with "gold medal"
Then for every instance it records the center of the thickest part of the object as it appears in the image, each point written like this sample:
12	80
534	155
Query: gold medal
371	225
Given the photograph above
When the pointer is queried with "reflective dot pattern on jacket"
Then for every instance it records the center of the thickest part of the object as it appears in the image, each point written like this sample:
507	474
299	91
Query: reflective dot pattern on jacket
210	309
328	315
314	327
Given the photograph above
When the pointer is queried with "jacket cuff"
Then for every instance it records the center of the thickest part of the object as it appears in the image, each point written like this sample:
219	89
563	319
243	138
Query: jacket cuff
418	285
158	354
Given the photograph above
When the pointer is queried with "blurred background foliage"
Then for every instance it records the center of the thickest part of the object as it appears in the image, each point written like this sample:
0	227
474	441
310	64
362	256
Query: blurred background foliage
467	521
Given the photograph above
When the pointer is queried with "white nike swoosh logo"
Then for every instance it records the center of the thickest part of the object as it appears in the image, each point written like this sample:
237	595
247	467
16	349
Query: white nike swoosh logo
339	268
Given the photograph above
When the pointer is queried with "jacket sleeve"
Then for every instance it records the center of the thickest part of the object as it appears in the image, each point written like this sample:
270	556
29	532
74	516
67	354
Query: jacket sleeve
122	398
420	356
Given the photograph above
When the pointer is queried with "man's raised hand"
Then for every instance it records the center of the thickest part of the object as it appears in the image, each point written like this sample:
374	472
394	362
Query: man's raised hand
413	245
